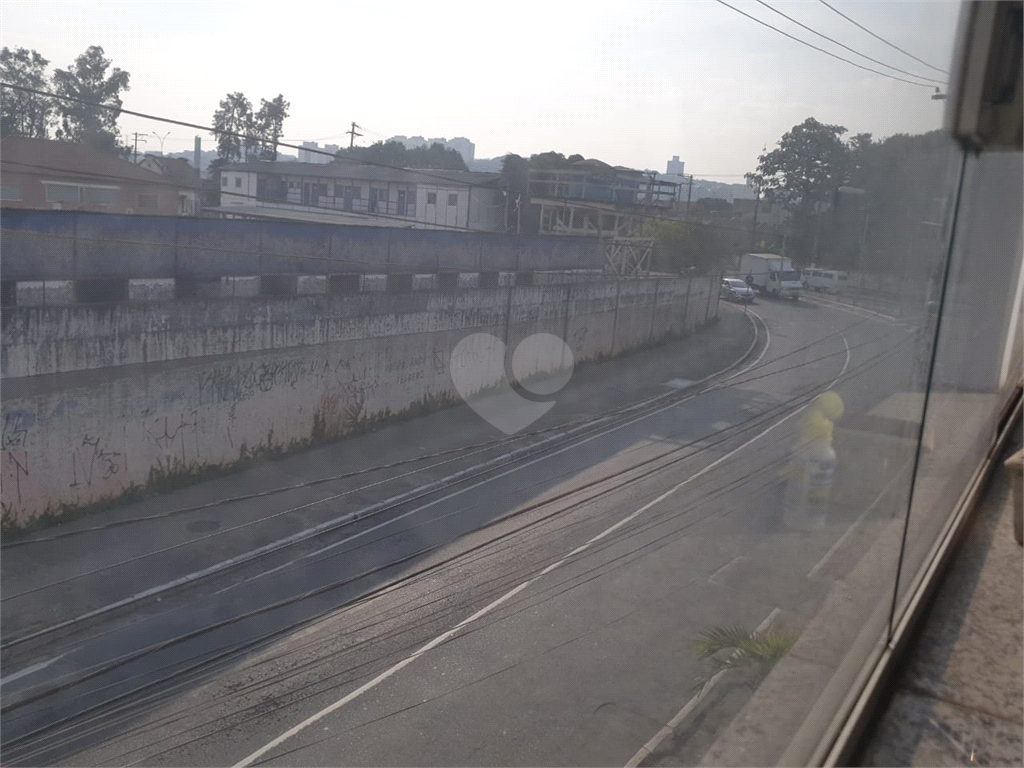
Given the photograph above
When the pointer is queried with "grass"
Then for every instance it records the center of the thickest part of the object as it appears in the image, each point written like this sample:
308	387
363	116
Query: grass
737	648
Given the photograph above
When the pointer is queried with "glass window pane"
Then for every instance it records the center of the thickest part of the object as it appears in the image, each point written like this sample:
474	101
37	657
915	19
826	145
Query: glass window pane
62	193
103	195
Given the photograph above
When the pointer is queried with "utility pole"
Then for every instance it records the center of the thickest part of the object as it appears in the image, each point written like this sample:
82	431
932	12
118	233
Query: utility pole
753	230
352	134
137	136
689	191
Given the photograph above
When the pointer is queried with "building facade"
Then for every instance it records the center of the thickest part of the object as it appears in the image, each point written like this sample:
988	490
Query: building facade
178	171
593	198
360	194
312	152
61	175
675	166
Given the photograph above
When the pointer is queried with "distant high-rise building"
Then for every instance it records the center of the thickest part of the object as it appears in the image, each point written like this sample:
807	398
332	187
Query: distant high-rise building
675	166
464	147
460	144
318	156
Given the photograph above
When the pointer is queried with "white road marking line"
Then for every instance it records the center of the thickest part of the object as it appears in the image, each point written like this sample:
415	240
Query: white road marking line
491	606
853	309
522	466
682	714
29	670
711	578
342	519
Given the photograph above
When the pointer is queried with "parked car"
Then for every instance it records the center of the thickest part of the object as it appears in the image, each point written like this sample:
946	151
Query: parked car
734	289
825	280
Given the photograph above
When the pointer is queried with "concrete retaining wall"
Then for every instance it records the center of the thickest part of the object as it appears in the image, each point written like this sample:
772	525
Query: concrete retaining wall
75	245
99	400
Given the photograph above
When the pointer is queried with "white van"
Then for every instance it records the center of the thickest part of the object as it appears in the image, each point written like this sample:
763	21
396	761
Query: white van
825	280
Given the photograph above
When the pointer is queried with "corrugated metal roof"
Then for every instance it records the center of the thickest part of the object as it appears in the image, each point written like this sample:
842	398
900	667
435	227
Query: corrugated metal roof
41	157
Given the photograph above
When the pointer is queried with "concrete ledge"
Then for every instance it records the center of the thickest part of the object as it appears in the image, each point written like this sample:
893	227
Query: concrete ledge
278	285
373	283
36	293
469	280
344	283
311	284
161	289
424	282
240	287
787	714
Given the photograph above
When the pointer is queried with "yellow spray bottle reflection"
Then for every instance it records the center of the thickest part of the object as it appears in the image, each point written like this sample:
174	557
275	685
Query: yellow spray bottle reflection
812	464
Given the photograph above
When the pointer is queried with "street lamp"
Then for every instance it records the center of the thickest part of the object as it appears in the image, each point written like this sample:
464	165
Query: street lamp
161	139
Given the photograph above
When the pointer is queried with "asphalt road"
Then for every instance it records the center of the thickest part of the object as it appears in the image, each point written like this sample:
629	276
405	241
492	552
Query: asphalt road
542	613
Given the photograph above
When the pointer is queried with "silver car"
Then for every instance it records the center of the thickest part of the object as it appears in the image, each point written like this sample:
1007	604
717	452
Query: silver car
734	289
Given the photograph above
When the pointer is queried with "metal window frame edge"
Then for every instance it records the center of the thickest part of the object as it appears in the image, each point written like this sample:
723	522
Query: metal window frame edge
841	739
975	122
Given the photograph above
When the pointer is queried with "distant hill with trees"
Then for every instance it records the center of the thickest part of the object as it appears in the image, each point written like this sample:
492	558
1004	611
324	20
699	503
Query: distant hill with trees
395	153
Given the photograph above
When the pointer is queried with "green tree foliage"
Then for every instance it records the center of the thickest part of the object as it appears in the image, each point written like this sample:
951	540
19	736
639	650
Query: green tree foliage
25	114
904	184
514	182
268	123
711	209
803	173
394	153
233	116
90	79
687	246
243	134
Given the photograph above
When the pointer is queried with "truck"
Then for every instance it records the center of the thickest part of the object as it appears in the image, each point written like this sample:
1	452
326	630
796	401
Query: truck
771	274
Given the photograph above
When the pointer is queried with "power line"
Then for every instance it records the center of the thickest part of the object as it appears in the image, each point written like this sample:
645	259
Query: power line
879	37
220	131
421	172
821	50
279	143
247	214
579	204
843	45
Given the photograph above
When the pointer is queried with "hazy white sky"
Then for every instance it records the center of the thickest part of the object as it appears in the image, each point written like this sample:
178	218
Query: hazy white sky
631	83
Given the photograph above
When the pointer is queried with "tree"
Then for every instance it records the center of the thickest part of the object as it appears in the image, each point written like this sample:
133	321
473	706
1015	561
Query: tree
21	113
803	173
891	222
269	126
232	120
95	122
394	153
681	246
514	181
711	209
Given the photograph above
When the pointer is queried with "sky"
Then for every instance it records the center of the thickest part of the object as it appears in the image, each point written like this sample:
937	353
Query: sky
631	83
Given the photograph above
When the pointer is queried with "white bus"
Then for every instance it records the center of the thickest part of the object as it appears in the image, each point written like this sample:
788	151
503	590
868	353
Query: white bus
825	280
